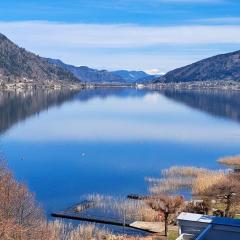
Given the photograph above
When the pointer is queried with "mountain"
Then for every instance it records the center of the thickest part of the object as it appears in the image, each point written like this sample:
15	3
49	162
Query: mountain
220	67
17	63
87	74
130	76
91	75
147	79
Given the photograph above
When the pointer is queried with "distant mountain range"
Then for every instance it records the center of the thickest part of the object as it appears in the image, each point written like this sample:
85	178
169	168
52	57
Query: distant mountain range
131	76
220	67
17	63
87	74
90	75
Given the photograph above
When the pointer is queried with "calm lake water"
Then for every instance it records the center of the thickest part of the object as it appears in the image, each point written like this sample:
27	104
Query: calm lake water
65	145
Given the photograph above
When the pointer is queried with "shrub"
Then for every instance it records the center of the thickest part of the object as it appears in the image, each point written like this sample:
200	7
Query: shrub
21	218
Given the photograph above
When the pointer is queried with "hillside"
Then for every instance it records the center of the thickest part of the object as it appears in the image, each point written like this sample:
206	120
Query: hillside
220	67
130	76
91	75
17	63
87	74
148	79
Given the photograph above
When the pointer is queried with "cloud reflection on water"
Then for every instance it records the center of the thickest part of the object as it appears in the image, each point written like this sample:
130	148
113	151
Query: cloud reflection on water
151	117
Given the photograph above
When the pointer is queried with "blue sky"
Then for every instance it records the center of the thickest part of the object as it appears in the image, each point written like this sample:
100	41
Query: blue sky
130	34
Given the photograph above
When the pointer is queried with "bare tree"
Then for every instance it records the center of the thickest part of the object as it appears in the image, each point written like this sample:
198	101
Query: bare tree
20	216
225	191
167	205
199	207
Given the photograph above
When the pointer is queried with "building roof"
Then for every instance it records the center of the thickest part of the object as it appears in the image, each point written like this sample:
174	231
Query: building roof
209	219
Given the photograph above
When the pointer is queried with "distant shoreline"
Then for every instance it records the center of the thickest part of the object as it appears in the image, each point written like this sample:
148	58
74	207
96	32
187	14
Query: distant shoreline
194	85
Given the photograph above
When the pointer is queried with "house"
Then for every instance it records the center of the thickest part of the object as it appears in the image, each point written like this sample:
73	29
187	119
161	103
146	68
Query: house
140	86
204	227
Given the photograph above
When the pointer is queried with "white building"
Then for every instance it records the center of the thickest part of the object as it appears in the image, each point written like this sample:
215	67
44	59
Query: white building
201	227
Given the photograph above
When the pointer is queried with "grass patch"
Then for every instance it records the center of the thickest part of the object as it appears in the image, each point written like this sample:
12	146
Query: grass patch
172	235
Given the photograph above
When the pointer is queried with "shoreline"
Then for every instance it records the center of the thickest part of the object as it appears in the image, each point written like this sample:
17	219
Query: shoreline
50	85
196	85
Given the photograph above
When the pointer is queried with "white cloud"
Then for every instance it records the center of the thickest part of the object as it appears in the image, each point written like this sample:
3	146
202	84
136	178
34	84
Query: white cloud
117	36
101	45
154	71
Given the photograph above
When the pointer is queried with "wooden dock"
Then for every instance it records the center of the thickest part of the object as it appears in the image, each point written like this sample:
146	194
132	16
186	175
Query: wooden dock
89	213
101	221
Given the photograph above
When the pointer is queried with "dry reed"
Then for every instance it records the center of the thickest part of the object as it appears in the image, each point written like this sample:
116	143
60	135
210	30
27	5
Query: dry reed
206	180
169	185
230	161
63	231
177	171
176	178
133	210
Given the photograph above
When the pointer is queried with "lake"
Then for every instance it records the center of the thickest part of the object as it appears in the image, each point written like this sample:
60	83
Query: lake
64	145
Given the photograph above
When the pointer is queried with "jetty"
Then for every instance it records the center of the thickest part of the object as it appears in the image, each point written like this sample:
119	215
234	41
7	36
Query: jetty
87	211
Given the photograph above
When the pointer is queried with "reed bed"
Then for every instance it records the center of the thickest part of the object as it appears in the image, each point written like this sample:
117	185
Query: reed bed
194	179
174	178
62	231
169	185
177	171
230	161
130	210
205	181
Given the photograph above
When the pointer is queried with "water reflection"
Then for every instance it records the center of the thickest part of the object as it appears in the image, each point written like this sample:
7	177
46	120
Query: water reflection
18	106
220	103
107	140
121	115
104	93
